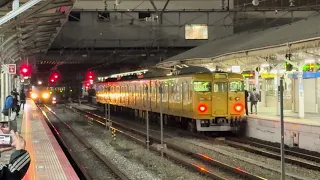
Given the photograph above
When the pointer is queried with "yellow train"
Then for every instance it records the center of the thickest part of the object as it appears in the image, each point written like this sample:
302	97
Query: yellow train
202	102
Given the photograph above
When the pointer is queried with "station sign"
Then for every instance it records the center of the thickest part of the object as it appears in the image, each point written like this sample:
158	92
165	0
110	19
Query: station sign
236	69
12	68
9	68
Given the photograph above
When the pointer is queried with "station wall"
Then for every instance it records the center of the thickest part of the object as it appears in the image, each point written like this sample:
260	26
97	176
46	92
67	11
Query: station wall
300	135
311	95
127	29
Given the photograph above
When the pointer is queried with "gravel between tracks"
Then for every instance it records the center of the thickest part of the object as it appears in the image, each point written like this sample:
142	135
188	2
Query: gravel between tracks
221	153
138	162
84	155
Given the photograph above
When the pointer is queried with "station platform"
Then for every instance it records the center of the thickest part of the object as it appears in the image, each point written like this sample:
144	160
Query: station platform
48	161
312	119
299	132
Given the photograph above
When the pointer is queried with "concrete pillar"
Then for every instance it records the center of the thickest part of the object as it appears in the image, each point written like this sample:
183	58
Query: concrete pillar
3	93
2	98
7	92
301	92
263	93
256	77
247	84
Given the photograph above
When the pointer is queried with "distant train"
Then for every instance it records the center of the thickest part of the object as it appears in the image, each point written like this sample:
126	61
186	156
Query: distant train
200	102
44	95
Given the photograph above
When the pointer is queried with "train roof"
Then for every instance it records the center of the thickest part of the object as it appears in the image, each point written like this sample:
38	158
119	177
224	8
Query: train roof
193	70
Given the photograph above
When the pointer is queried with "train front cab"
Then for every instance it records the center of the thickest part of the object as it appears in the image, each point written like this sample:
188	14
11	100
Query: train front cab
226	109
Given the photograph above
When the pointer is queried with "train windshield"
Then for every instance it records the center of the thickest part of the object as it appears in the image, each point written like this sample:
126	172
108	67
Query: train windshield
236	86
202	86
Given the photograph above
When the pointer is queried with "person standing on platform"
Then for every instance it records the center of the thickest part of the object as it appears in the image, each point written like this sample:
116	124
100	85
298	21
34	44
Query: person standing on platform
9	109
254	98
15	95
22	99
246	94
19	160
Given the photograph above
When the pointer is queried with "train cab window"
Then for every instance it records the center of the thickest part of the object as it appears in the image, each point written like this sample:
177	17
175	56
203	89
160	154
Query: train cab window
220	87
236	86
202	86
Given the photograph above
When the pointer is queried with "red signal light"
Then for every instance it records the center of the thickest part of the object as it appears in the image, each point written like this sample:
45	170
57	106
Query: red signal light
90	76
238	107
202	108
25	70
51	80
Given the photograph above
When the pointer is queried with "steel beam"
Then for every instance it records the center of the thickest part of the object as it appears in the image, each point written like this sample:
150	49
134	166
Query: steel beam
23	17
20	10
56	5
55	35
26	36
47	15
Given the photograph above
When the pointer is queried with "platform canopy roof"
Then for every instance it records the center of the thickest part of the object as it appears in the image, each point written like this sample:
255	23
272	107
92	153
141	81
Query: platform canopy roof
299	35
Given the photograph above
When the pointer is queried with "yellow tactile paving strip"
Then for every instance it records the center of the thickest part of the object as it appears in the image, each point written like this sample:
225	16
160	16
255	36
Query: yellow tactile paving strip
48	162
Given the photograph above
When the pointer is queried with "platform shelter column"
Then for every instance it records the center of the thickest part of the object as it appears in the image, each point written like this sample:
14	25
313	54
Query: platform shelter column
301	91
256	83
277	84
2	90
263	93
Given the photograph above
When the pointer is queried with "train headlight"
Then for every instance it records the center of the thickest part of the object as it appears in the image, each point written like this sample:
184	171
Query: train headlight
202	108
54	98
45	95
238	108
34	95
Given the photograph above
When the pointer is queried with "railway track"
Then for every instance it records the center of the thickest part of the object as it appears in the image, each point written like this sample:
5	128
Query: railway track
303	159
293	157
81	149
197	161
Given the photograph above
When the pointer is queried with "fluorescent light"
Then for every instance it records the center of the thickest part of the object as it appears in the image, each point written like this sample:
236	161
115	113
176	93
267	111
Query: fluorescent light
13	14
309	61
264	65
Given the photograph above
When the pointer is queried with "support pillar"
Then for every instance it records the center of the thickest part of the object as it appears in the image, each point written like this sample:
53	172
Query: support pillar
276	93
7	92
263	94
301	92
256	77
247	84
2	98
3	93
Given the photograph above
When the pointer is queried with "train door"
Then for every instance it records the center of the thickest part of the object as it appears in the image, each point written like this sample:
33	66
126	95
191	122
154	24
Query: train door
146	95
219	98
153	94
186	99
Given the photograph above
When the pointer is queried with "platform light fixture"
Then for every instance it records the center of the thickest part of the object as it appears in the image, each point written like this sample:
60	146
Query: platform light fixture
309	61
265	65
39	82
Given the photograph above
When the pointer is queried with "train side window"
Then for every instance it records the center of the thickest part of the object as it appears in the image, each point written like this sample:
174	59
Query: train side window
220	87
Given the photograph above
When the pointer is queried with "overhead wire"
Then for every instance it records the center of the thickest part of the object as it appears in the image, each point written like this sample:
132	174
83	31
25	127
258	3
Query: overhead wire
134	45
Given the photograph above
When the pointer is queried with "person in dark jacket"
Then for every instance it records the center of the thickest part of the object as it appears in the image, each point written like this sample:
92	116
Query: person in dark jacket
9	103
15	94
22	99
246	101
10	109
19	160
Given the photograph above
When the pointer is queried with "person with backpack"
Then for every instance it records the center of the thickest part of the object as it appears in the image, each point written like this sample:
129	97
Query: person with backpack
10	108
